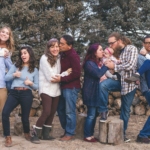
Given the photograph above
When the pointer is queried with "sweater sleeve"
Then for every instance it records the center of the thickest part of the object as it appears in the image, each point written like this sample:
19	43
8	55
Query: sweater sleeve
46	68
9	76
92	69
76	69
35	85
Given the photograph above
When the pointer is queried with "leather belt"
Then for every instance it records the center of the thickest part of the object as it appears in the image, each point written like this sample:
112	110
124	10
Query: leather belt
20	88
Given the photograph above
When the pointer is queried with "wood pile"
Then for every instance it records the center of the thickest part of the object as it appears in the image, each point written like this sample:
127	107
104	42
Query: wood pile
139	105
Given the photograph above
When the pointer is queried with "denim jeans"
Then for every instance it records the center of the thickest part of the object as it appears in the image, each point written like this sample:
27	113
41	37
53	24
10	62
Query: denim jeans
145	132
16	97
104	88
145	68
126	102
92	113
67	110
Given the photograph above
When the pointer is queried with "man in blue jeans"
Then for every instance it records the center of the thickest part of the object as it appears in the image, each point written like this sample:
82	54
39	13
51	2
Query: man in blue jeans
70	86
144	134
128	57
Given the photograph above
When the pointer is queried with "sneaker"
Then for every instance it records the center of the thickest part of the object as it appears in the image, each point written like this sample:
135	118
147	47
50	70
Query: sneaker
143	140
104	116
126	140
133	78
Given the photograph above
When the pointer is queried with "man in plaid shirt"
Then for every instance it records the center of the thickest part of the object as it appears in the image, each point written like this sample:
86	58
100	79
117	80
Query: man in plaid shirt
128	64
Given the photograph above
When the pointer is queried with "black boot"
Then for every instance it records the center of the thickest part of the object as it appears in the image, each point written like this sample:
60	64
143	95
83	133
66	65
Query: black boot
45	133
36	135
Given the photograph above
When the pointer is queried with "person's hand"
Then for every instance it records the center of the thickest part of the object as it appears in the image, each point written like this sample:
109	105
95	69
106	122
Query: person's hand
143	51
17	74
56	79
28	82
6	53
137	82
69	71
110	64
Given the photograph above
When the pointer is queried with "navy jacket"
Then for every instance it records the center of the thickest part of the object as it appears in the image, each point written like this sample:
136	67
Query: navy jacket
92	75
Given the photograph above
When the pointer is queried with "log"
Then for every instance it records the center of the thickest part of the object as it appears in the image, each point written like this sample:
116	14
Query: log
38	112
103	131
131	110
111	131
110	101
138	92
117	103
35	94
136	101
143	99
115	131
18	128
79	102
80	125
116	94
32	112
140	109
36	103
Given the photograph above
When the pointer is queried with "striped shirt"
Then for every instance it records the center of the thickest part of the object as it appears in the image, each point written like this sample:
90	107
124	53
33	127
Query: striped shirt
128	58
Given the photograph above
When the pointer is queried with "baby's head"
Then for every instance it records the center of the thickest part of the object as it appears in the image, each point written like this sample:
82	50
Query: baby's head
108	52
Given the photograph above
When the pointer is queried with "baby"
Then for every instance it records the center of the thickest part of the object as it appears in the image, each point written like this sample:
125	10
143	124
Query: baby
108	56
5	52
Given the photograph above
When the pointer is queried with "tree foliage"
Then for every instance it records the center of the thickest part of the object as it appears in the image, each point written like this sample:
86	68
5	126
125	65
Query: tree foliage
34	22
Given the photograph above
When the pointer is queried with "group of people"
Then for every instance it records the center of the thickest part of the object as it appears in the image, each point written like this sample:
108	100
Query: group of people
58	82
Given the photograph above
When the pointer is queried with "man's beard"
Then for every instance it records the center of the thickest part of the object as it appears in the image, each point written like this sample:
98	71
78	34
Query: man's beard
117	51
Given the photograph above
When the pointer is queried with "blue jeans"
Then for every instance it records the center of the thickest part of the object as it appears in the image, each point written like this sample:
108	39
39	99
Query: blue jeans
145	68
67	110
145	132
104	88
16	97
126	102
92	113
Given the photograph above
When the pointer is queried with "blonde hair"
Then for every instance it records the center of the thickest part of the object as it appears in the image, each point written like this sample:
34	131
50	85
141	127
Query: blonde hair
10	42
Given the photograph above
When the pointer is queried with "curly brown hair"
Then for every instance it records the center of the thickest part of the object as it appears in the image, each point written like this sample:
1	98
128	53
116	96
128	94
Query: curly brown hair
10	42
50	58
32	60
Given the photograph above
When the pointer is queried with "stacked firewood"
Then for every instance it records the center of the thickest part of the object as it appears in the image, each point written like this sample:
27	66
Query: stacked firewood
139	105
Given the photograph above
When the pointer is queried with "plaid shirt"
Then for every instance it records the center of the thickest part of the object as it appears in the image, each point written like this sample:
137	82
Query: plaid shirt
128	66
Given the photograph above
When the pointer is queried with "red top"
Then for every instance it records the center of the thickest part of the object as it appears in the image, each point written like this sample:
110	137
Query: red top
70	59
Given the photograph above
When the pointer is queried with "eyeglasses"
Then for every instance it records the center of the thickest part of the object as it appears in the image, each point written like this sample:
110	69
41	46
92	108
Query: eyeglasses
147	43
111	43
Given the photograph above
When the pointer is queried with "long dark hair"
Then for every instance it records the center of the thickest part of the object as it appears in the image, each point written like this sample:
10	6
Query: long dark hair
90	55
50	58
19	63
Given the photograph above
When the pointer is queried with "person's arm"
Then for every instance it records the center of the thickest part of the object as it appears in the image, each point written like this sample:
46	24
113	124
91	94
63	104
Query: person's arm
46	68
92	69
10	74
131	61
8	62
35	84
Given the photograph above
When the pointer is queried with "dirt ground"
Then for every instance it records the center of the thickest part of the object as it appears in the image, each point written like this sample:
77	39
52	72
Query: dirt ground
19	143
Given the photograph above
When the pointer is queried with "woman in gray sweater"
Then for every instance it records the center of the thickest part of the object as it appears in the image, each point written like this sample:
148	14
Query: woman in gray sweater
24	77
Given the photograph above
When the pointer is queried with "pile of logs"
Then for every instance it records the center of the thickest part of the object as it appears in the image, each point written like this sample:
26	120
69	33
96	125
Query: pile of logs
139	105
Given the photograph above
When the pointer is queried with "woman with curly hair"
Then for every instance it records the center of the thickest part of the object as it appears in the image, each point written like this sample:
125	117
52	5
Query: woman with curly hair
6	49
24	78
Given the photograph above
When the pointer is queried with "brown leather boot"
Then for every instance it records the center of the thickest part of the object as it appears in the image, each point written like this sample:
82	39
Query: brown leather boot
27	136
8	141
